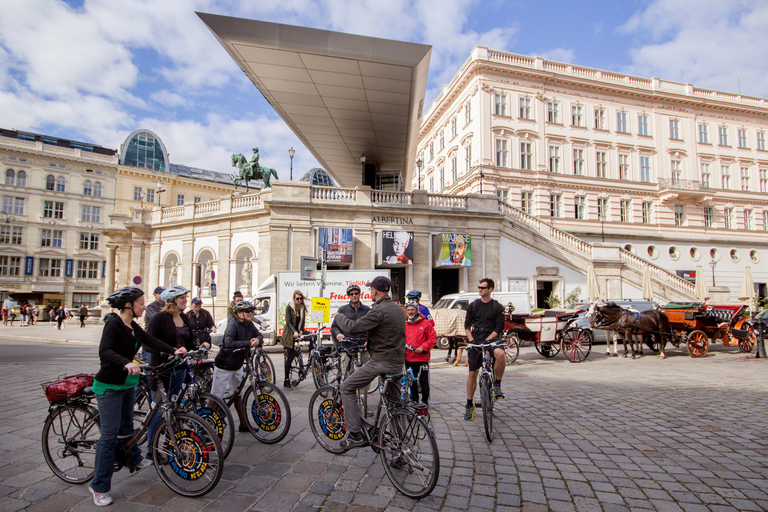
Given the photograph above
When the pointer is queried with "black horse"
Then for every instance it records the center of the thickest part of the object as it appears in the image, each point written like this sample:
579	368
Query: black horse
631	325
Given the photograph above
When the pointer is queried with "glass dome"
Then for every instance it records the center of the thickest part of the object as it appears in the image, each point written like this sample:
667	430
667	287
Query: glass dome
318	176
145	150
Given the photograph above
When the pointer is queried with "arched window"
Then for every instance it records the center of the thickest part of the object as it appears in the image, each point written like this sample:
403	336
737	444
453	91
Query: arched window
87	188
61	184
21	179
10	176
50	182
97	189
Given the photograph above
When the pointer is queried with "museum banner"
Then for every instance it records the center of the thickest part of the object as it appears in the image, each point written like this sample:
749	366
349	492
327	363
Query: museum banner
339	244
452	250
395	248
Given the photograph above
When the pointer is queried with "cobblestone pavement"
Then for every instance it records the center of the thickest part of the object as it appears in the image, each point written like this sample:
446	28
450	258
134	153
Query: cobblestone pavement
610	434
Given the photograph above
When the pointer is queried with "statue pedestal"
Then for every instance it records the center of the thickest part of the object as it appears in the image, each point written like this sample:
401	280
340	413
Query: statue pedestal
246	291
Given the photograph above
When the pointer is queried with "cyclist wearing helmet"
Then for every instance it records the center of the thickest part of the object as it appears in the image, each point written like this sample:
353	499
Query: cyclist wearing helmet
114	384
354	311
415	296
228	365
420	337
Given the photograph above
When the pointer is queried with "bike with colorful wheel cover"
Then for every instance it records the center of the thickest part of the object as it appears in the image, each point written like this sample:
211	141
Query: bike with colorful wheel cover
399	433
185	448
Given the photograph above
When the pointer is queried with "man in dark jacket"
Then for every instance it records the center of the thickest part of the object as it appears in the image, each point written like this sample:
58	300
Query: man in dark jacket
155	307
242	334
385	325
355	310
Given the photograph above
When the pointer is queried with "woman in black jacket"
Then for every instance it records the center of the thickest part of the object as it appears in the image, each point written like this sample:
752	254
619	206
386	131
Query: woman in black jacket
114	385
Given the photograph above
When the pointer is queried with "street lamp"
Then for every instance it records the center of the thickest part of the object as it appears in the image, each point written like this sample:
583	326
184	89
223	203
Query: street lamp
291	152
362	162
160	190
713	264
419	165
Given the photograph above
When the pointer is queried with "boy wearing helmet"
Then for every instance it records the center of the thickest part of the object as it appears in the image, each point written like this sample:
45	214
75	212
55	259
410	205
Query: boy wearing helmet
241	333
420	337
114	383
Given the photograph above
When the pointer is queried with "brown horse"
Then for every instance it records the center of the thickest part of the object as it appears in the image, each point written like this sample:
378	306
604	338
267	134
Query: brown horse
631	325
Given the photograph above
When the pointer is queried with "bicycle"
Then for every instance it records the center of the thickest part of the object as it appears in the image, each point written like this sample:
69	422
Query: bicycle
487	379
264	406
186	451
399	434
261	361
316	362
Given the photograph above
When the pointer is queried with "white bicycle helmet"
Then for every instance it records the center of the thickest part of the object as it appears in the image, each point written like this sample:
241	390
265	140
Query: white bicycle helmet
173	292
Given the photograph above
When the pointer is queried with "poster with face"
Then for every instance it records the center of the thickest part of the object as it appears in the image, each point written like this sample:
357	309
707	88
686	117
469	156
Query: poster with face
397	247
456	249
338	242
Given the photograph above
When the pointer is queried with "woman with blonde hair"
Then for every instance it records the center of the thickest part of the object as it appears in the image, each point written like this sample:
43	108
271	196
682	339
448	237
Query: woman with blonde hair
295	317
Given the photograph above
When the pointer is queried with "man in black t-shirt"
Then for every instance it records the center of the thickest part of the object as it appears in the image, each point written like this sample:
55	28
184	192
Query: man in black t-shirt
483	324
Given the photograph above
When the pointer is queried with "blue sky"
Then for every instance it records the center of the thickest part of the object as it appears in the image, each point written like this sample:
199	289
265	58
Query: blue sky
95	70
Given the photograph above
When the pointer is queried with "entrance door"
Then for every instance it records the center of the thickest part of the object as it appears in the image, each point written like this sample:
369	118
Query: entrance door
398	284
543	290
444	281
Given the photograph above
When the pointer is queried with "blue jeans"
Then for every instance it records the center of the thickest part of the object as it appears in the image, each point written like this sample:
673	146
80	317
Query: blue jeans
175	381
116	415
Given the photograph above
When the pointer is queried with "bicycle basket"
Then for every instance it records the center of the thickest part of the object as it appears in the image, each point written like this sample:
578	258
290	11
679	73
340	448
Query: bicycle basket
67	387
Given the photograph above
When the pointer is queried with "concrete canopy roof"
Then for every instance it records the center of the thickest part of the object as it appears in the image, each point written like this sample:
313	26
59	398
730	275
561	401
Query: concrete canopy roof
343	95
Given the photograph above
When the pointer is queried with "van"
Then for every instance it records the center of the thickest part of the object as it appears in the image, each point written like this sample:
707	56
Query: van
520	301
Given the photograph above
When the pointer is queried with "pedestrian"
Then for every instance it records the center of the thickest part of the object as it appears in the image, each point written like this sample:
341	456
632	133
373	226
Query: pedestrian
12	314
483	324
113	387
153	308
35	313
295	317
60	316
23	311
420	337
83	312
201	322
5	313
236	297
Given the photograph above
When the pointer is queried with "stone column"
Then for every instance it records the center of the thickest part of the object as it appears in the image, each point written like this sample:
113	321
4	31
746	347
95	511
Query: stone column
109	279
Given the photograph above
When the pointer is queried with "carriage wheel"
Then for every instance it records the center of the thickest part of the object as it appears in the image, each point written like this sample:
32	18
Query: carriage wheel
576	344
698	342
548	349
748	343
723	337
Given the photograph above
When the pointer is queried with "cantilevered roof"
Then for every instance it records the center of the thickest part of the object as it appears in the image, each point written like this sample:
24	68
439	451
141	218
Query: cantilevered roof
342	94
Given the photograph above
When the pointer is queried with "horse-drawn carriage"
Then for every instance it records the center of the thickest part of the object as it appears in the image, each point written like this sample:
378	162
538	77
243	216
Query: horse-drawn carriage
695	324
550	331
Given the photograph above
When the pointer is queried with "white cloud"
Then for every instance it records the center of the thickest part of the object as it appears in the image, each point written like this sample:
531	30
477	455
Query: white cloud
168	98
710	43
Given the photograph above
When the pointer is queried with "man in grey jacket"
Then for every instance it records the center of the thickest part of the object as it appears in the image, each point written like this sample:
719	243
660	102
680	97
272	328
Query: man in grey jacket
385	324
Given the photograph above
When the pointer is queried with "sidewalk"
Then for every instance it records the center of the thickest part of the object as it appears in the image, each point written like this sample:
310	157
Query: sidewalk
47	331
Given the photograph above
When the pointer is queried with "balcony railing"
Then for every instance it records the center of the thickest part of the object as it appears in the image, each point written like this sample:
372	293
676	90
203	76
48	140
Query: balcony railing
666	184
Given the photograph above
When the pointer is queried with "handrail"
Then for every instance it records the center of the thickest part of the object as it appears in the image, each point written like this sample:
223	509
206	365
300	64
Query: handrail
333	194
172	212
447	201
390	197
545	228
248	201
656	271
208	207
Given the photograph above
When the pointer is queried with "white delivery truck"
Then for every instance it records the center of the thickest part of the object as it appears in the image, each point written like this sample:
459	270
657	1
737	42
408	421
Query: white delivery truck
276	292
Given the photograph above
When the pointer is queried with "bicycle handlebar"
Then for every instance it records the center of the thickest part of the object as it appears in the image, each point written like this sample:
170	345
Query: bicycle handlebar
492	344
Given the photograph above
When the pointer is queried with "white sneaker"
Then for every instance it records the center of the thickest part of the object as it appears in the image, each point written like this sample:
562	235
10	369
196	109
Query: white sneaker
101	499
144	464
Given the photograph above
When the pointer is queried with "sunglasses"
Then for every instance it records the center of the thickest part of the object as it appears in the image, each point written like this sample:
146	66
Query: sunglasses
299	298
354	293
483	287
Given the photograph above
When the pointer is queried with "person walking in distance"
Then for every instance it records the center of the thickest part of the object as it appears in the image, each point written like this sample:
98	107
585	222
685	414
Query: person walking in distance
60	316
83	313
295	317
483	324
385	325
420	338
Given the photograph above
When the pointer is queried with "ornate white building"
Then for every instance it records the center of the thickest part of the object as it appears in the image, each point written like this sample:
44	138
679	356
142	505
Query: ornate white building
670	172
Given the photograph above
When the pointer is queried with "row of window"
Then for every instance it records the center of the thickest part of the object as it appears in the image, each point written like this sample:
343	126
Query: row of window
148	196
600	121
49	267
14	235
19	179
626	213
51	209
695	254
453	131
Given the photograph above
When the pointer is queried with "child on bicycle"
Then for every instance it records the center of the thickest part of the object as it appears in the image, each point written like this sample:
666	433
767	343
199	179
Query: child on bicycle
420	337
241	333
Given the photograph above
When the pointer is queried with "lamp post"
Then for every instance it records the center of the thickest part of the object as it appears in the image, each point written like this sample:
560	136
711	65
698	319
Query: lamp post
713	264
362	162
291	152
160	190
419	164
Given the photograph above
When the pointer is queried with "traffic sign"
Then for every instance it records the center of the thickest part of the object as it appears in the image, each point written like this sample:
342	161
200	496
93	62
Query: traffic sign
137	280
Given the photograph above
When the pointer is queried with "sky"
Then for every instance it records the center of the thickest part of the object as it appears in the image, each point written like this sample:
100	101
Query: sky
96	70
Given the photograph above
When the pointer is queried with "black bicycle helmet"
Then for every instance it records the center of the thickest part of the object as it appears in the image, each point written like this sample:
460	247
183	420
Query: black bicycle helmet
126	294
413	295
243	306
353	287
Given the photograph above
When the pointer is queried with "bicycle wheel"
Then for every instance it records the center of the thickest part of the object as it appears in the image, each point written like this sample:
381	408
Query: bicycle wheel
295	371
576	344
141	403
487	405
70	434
319	376
264	367
512	350
215	411
409	453
204	378
331	370
326	418
189	463
268	412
